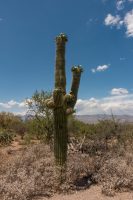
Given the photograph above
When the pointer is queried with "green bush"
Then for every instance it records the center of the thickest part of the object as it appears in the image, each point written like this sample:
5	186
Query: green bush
12	123
40	122
95	138
6	138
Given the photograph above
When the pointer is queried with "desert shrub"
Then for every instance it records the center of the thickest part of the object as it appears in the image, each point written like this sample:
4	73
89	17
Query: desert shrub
103	136
40	129
27	139
29	175
110	145
115	174
6	138
12	123
32	173
77	128
40	123
126	134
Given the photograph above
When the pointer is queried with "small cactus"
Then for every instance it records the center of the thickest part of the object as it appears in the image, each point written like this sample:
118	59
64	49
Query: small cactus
62	103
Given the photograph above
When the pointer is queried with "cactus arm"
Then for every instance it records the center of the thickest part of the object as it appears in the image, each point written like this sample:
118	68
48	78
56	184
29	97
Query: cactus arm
71	98
49	103
76	70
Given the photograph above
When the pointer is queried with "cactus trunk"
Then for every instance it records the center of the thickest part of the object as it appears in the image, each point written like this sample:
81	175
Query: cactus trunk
62	103
60	136
60	117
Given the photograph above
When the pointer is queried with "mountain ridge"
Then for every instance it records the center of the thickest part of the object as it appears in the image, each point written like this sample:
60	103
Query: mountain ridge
96	118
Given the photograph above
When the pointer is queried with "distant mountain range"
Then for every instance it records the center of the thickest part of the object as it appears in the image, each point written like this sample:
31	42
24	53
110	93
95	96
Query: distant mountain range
95	118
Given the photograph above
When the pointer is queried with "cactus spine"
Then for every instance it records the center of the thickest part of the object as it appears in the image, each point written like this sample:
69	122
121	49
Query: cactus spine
62	103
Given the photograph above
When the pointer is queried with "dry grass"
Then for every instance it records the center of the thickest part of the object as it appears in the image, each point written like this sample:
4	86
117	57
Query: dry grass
30	172
115	175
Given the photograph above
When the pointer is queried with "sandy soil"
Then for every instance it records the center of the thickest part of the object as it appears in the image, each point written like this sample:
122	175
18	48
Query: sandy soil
94	193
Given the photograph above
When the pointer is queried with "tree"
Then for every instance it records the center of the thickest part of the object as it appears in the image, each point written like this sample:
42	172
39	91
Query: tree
41	116
12	124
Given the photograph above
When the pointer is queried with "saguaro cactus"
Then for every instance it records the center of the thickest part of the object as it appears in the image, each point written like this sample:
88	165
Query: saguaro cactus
62	103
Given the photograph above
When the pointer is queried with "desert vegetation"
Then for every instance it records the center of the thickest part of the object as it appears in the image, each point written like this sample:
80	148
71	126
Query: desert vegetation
97	154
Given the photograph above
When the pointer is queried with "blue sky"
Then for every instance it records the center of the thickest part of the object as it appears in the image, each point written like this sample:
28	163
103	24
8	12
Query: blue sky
100	38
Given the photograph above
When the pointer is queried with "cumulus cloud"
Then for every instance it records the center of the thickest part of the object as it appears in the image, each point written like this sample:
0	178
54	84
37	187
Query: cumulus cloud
23	104
119	91
111	20
120	4
119	102
119	105
128	21
12	103
100	68
4	105
14	106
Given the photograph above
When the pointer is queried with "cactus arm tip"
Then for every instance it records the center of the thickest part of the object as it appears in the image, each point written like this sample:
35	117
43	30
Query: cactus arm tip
61	37
77	69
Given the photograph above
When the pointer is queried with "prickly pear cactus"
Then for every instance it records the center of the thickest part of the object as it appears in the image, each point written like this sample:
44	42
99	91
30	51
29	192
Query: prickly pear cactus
62	103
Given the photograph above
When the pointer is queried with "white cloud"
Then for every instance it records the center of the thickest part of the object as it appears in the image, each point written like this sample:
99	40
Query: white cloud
12	103
119	91
120	4
9	104
23	104
100	68
4	105
128	21
111	20
93	70
122	104
13	106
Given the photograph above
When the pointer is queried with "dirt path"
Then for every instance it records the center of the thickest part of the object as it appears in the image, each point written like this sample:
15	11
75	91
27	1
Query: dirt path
94	193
